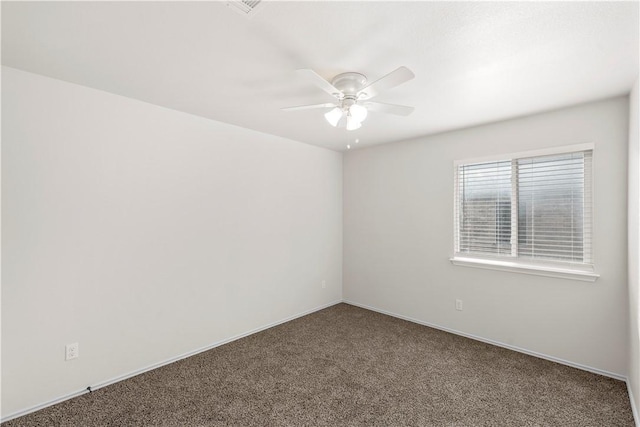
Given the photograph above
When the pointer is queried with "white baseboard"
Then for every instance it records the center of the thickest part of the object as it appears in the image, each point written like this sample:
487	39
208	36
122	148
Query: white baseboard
162	363
634	409
492	342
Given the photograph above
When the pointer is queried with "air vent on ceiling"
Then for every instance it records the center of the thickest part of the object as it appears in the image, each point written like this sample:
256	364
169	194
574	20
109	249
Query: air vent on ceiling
245	7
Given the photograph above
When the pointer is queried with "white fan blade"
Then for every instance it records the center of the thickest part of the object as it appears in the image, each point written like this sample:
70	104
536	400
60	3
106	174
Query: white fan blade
317	80
380	107
393	79
309	107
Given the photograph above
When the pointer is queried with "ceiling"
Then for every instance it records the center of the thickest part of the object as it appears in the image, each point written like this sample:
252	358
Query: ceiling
475	62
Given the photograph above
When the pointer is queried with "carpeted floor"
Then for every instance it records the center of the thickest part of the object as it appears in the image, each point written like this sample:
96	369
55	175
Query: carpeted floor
345	366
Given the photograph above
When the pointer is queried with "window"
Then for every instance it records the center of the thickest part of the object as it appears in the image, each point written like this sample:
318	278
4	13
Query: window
532	212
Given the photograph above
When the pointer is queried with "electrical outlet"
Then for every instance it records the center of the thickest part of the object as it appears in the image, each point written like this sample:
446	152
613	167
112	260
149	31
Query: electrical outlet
72	351
459	304
324	284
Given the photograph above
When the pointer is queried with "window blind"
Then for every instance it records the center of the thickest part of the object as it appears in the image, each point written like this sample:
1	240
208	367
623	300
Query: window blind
533	208
554	207
484	208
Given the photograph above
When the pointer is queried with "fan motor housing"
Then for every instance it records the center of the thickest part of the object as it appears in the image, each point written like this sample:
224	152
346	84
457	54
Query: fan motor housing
349	83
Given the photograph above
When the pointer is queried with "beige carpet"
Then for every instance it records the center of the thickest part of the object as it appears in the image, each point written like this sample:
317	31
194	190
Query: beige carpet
345	366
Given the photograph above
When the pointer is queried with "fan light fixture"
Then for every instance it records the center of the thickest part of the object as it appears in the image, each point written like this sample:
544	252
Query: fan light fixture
358	112
355	114
334	116
352	123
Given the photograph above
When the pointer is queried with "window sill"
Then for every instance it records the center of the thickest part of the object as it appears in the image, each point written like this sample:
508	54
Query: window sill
516	267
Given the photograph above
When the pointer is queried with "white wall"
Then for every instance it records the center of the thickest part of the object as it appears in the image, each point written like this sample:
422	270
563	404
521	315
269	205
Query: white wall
144	233
634	249
398	237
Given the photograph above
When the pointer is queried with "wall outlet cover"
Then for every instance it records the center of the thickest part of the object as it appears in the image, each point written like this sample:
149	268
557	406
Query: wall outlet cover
72	351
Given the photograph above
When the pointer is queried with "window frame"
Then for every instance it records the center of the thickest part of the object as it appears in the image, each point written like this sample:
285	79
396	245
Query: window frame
550	268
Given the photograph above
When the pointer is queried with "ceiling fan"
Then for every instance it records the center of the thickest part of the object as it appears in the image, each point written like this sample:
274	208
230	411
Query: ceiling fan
353	96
